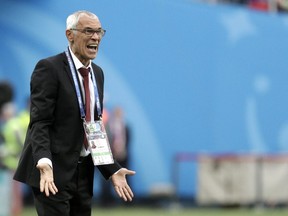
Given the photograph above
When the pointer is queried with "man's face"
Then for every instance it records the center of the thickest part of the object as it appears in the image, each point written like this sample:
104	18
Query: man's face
83	46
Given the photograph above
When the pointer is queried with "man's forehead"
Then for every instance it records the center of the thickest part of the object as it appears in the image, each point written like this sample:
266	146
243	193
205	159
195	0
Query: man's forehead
89	21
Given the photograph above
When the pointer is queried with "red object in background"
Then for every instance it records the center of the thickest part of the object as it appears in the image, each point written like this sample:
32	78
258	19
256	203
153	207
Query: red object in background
258	5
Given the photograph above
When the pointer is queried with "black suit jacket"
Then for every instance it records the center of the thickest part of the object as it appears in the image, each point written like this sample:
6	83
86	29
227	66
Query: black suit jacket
56	128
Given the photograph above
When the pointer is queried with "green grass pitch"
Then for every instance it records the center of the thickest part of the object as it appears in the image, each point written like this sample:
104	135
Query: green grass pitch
141	211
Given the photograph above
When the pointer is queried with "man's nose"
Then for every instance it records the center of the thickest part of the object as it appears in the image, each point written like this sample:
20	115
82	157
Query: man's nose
95	36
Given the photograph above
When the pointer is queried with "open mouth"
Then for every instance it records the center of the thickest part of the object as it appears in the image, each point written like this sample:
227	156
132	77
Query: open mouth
92	47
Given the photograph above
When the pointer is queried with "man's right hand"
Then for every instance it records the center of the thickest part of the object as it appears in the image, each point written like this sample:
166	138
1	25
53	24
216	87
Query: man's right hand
46	179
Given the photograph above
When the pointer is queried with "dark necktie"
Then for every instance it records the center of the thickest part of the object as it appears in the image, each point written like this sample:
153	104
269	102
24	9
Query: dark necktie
85	74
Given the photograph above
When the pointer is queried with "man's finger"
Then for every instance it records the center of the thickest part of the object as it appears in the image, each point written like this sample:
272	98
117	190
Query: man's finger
47	189
130	172
51	188
118	191
54	187
42	185
129	191
123	194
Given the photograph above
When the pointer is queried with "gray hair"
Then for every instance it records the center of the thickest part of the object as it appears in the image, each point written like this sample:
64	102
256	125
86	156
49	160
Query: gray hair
72	20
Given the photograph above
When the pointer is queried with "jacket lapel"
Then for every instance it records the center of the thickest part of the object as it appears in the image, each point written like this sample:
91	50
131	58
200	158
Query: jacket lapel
69	74
67	68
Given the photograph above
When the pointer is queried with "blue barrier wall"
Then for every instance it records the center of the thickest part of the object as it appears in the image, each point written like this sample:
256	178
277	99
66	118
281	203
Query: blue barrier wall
191	77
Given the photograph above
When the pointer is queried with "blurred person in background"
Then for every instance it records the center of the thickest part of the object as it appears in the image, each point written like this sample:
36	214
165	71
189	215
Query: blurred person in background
14	132
55	161
119	137
7	111
282	5
7	206
8	151
6	97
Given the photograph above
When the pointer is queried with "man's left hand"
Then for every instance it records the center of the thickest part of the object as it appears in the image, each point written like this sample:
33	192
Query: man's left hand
120	184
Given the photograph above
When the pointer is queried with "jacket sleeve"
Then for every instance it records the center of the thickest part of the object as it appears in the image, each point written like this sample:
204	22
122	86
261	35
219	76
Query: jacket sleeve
43	99
108	170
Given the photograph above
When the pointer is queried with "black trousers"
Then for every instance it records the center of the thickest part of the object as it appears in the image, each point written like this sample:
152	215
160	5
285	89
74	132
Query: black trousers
74	200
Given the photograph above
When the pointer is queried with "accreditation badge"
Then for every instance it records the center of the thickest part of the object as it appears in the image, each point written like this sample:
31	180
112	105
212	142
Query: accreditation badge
99	146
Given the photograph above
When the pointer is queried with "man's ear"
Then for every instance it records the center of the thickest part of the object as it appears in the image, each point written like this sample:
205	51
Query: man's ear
70	35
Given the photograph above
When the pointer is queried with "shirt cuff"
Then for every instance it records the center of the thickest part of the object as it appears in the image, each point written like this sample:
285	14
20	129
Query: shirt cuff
45	160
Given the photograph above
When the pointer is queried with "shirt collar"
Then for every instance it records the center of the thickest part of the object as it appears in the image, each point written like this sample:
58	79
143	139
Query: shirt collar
78	64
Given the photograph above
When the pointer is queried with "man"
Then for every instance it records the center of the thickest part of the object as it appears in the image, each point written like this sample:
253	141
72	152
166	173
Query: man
55	160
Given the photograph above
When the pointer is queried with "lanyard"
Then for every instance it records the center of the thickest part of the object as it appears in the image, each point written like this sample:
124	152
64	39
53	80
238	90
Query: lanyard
81	106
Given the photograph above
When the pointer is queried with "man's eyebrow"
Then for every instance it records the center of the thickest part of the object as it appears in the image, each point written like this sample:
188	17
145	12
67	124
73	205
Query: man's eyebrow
89	28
